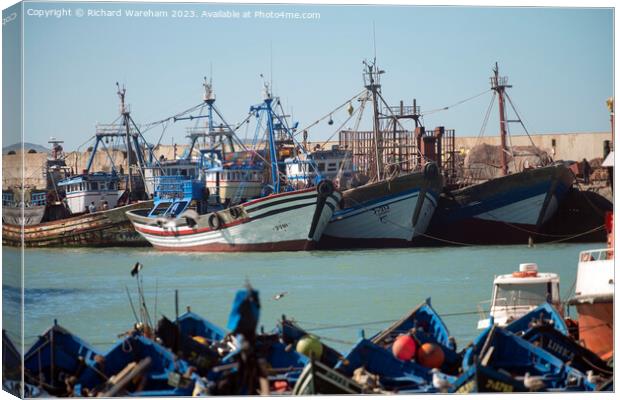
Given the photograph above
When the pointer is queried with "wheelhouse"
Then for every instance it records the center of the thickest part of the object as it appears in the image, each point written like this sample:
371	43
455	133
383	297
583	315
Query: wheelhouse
97	188
514	295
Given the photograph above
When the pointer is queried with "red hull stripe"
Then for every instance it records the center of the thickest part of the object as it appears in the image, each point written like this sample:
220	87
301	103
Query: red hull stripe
161	232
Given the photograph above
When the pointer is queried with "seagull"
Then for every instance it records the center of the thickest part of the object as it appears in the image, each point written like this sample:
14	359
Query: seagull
533	383
136	269
595	379
439	382
280	295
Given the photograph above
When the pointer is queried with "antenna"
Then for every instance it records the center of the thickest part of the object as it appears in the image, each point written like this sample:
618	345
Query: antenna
374	40
271	63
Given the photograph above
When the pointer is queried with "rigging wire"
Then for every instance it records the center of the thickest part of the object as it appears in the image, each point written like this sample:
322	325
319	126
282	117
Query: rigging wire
330	113
436	110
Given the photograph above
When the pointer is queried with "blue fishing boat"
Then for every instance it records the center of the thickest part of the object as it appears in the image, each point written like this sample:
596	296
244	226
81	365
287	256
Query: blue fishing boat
425	326
290	333
517	358
392	374
512	204
193	341
57	359
549	338
479	379
545	314
161	375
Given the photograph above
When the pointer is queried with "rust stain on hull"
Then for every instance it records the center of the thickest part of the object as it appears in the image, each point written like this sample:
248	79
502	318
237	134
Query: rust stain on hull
100	229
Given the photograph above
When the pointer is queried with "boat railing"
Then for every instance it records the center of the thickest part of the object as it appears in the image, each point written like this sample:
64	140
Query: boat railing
176	187
596	255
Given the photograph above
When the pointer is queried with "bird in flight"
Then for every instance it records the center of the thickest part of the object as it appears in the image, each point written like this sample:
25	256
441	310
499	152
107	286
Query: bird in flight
279	295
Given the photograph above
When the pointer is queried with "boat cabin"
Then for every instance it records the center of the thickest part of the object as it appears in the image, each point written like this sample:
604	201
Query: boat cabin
514	295
236	177
335	165
98	188
176	194
188	168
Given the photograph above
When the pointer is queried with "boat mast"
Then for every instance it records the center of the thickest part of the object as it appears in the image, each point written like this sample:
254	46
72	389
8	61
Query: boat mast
125	113
371	81
499	84
272	147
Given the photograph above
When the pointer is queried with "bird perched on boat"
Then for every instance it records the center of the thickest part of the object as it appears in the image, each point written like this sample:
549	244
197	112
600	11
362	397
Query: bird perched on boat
136	269
440	383
595	379
533	383
280	295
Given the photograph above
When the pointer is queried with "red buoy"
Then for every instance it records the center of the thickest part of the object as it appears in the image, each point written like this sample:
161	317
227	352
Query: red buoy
430	355
404	348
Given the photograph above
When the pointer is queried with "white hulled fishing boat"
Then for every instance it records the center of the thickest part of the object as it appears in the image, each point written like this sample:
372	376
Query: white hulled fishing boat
280	220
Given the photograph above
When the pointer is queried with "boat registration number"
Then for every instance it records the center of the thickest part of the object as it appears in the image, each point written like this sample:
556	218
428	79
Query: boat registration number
382	212
280	227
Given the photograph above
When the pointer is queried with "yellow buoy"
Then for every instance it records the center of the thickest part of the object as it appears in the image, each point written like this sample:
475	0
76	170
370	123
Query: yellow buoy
310	346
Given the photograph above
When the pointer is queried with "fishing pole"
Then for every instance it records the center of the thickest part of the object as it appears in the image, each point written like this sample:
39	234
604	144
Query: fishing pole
131	304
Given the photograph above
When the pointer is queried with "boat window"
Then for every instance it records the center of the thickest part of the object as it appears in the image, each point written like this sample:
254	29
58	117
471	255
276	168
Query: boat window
521	294
321	167
160	209
177	208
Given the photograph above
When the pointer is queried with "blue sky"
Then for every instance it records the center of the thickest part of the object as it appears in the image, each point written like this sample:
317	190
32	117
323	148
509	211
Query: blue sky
560	62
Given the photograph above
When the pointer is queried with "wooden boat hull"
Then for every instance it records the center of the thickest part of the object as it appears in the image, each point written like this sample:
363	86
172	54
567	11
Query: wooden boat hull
392	212
288	221
317	378
31	215
503	210
100	229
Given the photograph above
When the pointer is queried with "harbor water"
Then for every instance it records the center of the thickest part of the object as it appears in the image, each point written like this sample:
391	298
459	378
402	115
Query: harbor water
334	294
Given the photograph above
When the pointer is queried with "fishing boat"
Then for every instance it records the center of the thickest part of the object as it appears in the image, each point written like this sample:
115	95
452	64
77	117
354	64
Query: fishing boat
570	351
29	211
392	208
545	314
138	366
391	373
516	294
510	208
290	333
425	326
594	296
56	358
518	360
280	220
232	173
25	206
94	202
318	378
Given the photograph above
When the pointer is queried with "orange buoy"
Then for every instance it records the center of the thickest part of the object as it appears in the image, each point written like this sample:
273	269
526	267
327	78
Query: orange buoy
430	355
404	348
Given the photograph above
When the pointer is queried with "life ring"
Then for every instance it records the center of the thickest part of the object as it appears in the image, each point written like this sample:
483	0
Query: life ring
214	221
524	274
431	170
325	188
235	212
